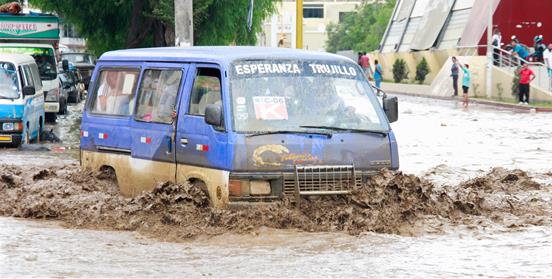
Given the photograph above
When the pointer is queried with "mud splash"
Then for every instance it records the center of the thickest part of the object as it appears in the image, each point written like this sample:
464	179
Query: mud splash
393	203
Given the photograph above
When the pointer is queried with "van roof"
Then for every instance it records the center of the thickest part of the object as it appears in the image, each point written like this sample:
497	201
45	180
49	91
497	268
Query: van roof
216	54
17	58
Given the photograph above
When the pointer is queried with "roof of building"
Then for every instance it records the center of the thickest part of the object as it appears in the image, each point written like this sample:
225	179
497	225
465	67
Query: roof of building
16	58
217	54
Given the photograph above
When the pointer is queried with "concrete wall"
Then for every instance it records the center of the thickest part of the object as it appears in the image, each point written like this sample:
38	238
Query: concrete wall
435	59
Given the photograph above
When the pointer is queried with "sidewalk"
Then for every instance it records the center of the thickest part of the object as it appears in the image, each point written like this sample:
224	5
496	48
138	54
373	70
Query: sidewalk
498	104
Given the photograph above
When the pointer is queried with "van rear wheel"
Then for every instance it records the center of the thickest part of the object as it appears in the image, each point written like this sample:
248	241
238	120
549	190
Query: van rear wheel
51	117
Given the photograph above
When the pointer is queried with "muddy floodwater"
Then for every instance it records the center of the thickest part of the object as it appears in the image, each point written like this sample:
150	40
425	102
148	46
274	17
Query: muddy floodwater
487	218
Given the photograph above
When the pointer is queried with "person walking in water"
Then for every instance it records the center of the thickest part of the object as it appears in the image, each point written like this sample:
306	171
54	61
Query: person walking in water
378	73
465	82
454	74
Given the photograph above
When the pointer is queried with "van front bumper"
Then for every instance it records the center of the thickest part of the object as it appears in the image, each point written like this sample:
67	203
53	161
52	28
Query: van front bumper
304	181
10	139
51	107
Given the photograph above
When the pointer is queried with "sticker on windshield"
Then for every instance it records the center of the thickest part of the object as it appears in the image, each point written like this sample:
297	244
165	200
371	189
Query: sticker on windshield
260	68
270	108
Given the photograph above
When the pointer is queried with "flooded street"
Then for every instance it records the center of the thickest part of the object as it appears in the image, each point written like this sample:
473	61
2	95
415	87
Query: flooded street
438	140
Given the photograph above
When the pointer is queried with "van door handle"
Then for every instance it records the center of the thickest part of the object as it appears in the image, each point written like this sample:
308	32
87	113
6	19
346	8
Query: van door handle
169	145
183	142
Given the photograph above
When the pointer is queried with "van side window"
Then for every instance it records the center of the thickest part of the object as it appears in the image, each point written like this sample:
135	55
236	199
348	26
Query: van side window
36	77
114	93
206	90
28	80
157	97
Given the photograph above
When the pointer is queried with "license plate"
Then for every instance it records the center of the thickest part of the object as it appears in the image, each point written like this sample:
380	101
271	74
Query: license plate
5	139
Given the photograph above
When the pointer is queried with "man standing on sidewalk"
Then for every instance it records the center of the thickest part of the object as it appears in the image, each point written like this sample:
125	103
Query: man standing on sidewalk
548	62
526	75
454	75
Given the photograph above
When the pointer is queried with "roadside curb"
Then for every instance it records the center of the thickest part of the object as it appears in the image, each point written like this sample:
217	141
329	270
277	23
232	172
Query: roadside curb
481	102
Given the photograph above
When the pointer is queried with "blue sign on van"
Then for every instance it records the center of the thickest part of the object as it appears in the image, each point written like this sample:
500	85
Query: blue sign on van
243	123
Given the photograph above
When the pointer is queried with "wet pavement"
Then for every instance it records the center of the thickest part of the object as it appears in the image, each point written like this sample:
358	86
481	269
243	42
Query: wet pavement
437	139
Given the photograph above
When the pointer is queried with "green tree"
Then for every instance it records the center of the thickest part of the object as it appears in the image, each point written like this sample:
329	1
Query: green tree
117	24
399	70
422	69
361	30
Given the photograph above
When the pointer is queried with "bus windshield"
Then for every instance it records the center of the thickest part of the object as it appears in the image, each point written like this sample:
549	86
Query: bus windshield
272	96
44	58
9	83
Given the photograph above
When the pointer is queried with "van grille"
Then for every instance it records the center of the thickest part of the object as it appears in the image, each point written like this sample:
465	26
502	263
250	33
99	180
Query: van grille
321	180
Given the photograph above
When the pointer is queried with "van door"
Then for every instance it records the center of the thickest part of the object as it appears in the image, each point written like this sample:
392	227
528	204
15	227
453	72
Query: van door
200	144
154	121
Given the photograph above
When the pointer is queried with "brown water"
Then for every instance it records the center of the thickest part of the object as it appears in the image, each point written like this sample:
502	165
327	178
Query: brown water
505	234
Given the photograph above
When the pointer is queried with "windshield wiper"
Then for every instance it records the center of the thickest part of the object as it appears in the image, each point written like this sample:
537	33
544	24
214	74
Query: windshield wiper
383	133
327	134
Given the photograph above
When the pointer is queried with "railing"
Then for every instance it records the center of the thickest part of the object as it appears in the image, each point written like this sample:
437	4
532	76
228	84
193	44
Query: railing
510	62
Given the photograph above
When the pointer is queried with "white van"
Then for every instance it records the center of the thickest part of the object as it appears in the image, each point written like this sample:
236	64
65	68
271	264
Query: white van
45	57
21	100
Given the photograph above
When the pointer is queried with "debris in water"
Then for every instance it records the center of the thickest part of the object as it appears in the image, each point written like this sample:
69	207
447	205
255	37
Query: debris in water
388	203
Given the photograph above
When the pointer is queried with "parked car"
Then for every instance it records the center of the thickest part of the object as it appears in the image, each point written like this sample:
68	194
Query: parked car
69	88
21	100
84	62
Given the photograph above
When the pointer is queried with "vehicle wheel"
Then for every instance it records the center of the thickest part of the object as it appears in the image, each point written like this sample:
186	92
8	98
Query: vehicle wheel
39	136
63	109
51	117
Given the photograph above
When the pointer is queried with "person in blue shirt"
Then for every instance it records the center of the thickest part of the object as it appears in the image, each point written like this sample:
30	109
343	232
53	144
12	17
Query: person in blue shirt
378	74
519	50
465	82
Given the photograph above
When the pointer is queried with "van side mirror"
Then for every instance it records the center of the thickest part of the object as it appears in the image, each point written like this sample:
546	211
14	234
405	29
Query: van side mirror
65	65
29	91
213	115
391	108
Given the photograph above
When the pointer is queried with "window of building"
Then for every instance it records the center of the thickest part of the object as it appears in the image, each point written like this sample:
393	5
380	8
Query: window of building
343	15
206	90
158	95
313	11
114	94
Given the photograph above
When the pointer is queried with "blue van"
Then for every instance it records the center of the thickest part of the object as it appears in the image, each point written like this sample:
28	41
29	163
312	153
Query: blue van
21	100
245	124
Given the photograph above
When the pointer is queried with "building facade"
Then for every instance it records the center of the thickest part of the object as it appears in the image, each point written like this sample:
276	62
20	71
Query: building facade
279	29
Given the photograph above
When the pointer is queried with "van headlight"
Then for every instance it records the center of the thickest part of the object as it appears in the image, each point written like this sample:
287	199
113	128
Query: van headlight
12	126
244	188
52	96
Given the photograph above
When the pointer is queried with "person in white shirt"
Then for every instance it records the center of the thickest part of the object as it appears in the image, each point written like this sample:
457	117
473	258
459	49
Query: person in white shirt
548	62
496	42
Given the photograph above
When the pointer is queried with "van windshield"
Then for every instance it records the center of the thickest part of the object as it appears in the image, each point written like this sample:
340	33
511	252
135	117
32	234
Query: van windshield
77	58
272	96
44	58
9	83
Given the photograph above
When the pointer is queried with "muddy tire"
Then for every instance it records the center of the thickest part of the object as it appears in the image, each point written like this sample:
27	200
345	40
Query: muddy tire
203	187
51	117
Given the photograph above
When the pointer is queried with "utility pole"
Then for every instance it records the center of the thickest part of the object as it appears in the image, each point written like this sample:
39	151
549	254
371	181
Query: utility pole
299	25
489	87
184	23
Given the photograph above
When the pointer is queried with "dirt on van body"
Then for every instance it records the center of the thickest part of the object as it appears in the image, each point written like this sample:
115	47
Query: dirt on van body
389	202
